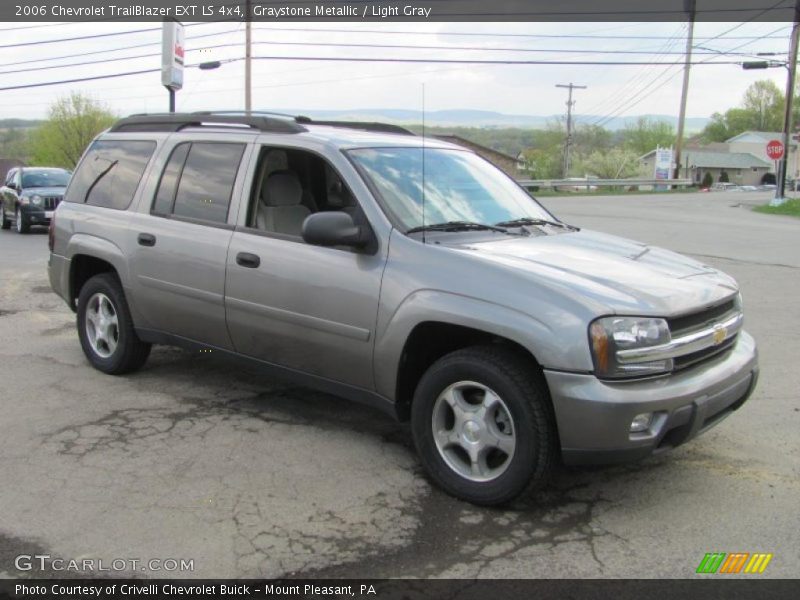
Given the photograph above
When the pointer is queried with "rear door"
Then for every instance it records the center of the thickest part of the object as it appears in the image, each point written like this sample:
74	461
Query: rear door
181	239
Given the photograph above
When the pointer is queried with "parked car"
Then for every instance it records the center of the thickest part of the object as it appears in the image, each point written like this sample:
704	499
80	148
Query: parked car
30	195
723	186
414	277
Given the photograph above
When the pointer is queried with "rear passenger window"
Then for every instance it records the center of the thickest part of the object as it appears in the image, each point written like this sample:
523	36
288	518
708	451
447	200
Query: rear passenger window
206	184
110	173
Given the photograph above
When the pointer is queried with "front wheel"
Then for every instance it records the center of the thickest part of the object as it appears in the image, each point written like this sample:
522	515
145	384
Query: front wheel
105	327
482	425
22	224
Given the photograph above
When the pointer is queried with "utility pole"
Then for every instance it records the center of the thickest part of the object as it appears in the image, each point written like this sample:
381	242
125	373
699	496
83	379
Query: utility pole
570	104
780	191
248	62
691	6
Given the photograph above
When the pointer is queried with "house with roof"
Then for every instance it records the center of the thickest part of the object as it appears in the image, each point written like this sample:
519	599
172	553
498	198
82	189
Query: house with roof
755	143
741	168
510	165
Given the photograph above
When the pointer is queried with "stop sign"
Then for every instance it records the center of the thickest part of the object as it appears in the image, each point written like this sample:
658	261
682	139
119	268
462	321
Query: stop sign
775	149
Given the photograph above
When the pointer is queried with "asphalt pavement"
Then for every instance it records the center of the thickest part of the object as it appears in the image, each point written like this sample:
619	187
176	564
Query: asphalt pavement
192	459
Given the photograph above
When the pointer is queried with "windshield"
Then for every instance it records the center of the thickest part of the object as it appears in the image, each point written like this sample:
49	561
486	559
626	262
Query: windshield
458	185
45	178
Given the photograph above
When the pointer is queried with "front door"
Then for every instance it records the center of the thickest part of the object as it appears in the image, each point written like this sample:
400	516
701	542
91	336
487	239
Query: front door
296	305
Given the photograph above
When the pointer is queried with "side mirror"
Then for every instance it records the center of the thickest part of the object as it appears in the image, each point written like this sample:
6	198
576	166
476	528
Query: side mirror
335	228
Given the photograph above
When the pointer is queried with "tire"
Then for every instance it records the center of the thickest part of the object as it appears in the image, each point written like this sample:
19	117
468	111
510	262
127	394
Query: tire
22	224
521	423
109	342
4	221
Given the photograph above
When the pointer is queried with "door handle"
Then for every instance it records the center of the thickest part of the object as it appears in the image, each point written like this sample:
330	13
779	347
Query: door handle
245	259
146	239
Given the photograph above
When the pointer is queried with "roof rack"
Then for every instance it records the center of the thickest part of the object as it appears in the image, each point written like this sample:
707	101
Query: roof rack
364	125
179	121
259	120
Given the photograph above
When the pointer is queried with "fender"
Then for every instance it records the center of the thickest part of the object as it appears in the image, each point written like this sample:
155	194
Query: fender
96	247
430	305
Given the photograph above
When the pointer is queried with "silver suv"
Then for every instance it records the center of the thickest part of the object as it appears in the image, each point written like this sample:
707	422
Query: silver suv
402	272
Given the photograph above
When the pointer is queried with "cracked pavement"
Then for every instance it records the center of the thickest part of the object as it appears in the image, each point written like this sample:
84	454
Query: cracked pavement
200	459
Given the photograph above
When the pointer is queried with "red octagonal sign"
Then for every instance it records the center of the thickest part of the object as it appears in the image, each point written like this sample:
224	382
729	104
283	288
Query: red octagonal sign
775	149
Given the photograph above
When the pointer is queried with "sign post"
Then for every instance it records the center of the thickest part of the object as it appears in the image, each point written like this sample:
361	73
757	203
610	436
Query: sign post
172	56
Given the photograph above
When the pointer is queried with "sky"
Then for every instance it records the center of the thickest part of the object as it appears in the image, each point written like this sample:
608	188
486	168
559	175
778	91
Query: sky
315	85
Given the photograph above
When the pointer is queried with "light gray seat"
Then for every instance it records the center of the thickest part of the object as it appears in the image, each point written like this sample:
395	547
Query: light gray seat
280	209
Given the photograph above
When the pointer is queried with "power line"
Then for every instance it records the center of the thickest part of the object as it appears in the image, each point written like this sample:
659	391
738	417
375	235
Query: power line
89	37
374	60
495	34
639	76
109	50
382	46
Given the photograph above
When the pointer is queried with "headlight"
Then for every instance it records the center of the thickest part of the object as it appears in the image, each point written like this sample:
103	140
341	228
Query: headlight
24	200
611	334
36	199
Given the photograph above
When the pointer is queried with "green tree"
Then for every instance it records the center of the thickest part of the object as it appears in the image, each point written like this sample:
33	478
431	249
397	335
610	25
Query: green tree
708	179
542	163
616	163
761	109
73	121
764	102
15	143
646	134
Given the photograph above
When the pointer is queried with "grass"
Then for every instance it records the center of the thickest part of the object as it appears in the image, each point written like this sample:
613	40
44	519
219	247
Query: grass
790	207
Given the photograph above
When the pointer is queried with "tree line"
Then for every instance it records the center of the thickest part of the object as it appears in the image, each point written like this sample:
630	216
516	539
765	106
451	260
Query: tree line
74	120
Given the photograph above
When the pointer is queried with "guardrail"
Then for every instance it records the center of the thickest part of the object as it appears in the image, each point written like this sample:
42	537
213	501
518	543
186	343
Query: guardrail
587	183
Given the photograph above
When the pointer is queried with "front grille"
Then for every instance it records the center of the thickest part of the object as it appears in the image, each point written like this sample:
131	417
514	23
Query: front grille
706	318
51	202
681	325
682	362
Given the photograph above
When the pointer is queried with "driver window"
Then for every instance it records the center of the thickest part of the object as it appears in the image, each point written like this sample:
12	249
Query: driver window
290	185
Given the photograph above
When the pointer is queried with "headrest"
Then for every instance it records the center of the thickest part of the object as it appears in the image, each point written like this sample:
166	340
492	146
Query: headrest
275	160
282	188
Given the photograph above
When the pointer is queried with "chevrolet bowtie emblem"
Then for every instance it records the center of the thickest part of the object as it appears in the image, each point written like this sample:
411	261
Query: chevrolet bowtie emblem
720	333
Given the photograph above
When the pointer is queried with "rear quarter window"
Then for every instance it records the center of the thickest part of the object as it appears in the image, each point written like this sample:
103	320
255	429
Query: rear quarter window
110	172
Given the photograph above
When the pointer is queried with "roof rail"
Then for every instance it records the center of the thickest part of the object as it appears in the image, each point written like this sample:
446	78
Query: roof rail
366	126
179	121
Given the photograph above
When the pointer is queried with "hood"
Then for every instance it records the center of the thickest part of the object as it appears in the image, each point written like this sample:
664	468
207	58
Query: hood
44	191
614	274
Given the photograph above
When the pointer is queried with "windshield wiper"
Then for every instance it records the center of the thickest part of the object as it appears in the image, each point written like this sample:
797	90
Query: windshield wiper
457	226
533	221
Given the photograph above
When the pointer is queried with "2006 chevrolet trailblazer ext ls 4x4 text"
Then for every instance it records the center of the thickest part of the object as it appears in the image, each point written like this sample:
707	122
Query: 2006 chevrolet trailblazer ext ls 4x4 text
409	274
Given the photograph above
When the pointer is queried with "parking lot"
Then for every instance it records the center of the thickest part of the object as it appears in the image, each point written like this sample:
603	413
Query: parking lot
194	459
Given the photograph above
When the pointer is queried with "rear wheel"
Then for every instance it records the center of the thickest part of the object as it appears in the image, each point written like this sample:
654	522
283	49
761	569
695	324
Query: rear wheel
482	425
105	327
22	224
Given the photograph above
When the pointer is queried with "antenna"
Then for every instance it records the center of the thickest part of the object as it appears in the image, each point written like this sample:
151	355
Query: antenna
423	162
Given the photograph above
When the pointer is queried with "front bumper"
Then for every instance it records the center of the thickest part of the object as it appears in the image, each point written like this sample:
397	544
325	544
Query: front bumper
594	416
36	215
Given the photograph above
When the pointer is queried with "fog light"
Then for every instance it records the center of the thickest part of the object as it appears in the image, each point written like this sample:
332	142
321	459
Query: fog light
641	422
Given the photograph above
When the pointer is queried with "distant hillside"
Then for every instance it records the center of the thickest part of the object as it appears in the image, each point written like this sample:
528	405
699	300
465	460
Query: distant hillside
484	118
19	123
